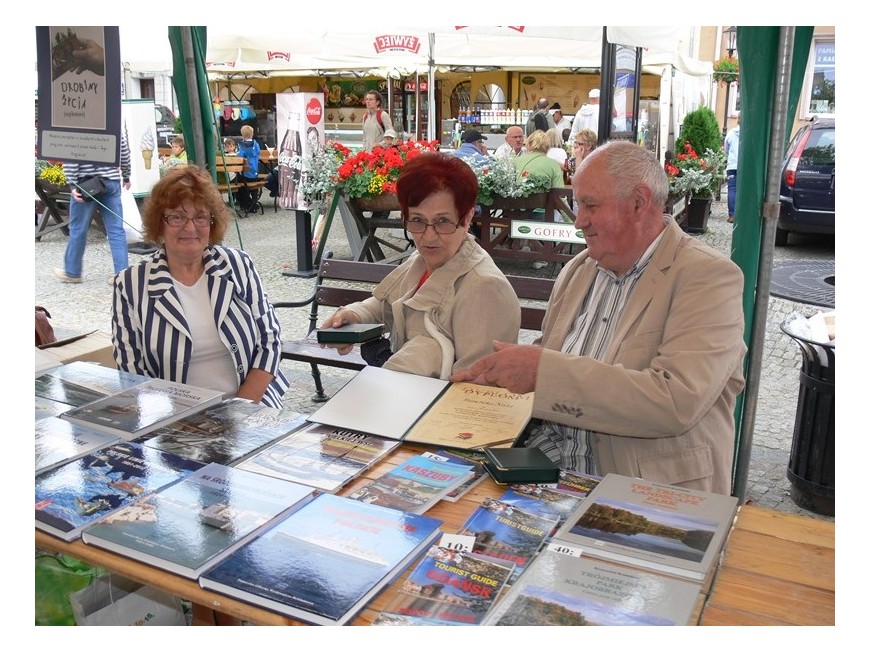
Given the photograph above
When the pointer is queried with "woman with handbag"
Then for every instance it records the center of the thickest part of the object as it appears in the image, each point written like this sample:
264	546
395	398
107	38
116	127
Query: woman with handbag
445	304
93	186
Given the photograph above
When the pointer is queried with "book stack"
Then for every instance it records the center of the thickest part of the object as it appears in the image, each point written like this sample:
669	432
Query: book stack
326	561
193	524
58	441
415	485
78	382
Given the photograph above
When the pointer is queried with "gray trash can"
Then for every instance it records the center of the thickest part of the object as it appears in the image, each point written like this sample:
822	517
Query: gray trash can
811	462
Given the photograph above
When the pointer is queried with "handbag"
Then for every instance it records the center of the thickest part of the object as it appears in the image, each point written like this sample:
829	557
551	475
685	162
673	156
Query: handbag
376	352
44	331
92	187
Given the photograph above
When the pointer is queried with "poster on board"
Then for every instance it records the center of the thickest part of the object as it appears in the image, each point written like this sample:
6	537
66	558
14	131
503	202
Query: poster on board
79	81
139	124
299	125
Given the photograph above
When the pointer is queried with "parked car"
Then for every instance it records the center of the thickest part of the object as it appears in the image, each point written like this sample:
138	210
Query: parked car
806	189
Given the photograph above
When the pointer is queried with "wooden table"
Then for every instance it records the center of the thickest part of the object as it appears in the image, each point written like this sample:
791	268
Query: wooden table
777	568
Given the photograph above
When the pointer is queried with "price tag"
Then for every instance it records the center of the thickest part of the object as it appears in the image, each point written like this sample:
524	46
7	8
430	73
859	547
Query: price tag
565	549
459	542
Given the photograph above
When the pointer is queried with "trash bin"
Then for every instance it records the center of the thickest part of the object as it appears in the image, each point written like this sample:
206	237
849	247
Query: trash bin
811	462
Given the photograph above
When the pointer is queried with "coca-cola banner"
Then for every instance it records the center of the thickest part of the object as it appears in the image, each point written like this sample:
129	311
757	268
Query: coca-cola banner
299	125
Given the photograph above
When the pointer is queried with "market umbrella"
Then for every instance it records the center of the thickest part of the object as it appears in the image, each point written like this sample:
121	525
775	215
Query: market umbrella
772	64
190	81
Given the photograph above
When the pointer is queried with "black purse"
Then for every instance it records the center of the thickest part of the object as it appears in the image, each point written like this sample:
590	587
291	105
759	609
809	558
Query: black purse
92	187
376	352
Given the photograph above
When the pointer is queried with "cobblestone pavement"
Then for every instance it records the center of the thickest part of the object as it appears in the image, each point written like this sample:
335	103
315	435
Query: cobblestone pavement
270	240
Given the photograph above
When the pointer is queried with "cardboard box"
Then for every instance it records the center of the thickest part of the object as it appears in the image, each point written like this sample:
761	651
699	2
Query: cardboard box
92	347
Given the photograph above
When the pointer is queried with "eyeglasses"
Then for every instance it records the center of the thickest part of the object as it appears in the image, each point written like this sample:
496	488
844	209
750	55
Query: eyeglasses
441	227
178	220
576	144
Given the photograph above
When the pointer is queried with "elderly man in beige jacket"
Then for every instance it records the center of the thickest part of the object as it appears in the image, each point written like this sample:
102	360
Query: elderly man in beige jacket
641	357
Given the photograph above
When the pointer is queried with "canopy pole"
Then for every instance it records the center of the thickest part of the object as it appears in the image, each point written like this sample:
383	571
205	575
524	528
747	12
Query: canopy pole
769	214
433	110
193	96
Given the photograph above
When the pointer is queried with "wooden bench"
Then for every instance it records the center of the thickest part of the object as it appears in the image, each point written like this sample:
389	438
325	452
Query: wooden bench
234	167
341	282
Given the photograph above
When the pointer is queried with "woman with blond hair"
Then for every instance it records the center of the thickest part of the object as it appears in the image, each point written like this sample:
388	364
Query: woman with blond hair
535	160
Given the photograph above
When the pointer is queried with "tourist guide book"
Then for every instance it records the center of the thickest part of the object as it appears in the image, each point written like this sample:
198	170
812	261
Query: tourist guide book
507	533
542	500
138	410
59	441
325	561
322	457
413	486
660	527
79	382
426	410
226	432
561	589
74	495
459	456
190	525
449	587
577	483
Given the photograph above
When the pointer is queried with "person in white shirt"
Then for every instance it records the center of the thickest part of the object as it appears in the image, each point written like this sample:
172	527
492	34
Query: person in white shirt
561	121
587	116
513	144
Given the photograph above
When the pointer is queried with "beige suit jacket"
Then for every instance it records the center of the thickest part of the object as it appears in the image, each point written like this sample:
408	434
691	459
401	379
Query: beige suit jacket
662	398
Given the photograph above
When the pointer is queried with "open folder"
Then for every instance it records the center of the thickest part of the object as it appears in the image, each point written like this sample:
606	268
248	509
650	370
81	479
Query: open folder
427	410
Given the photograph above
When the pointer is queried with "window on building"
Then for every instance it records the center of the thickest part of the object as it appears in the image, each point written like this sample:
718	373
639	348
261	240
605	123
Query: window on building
820	75
146	88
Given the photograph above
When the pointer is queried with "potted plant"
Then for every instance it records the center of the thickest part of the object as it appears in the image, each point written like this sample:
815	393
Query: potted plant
696	176
726	70
50	176
500	186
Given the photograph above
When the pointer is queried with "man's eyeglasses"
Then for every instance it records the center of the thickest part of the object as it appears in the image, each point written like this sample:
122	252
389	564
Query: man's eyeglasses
441	227
178	220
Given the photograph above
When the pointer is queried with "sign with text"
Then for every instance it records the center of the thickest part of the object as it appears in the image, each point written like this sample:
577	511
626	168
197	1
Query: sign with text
548	231
299	118
79	79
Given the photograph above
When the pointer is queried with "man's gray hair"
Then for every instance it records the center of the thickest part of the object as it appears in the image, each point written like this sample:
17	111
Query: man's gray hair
631	165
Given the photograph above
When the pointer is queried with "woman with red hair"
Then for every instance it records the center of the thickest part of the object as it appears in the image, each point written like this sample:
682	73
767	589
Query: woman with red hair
446	304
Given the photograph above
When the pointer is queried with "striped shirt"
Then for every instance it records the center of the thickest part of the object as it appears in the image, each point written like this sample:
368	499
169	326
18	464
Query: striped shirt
77	171
571	448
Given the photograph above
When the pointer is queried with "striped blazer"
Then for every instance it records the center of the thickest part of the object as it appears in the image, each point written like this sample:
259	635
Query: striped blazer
151	336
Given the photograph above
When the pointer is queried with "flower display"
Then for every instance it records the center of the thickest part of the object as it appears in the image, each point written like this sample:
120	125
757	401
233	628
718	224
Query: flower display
498	177
369	174
320	168
50	172
693	174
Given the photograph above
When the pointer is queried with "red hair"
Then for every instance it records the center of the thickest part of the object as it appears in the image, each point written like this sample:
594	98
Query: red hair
431	172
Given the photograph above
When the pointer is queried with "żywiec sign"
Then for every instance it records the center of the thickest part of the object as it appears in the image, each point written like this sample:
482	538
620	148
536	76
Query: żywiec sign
397	42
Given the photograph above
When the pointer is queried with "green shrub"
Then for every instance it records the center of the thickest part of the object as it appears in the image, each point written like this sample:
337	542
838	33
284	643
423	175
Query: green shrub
702	130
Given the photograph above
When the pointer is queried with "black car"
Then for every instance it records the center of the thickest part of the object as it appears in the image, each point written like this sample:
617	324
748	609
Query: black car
806	189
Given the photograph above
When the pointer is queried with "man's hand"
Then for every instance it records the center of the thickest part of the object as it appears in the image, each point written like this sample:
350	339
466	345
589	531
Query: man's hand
512	366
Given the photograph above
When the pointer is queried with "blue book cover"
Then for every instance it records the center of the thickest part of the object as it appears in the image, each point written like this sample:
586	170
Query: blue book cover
196	522
80	492
542	500
324	562
415	485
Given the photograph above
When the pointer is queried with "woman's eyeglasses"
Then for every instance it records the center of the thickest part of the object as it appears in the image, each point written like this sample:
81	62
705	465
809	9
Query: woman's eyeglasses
178	220
441	227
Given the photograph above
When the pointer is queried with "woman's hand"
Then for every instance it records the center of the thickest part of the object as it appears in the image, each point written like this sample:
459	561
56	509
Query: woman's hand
339	318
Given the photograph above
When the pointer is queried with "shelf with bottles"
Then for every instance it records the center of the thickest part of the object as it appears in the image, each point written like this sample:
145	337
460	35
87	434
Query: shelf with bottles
497	119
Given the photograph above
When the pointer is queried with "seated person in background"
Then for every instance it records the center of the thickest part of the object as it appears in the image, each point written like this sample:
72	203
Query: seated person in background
249	149
443	305
472	147
230	147
177	155
536	161
556	151
196	312
513	145
640	360
389	139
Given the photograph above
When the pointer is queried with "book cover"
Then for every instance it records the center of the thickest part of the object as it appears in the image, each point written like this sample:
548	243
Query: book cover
322	457
77	383
560	589
413	486
577	483
190	525
459	456
59	441
324	562
45	407
660	527
350	334
77	493
380	402
449	587
142	408
508	533
470	416
542	500
226	432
